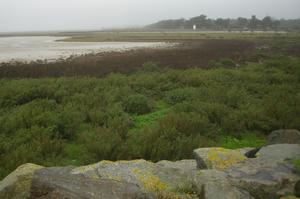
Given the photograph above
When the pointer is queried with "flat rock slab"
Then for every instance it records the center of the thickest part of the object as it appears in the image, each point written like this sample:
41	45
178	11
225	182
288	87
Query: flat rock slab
284	136
60	183
218	158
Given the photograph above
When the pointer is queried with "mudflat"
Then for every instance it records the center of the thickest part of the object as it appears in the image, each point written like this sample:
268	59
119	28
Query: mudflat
33	48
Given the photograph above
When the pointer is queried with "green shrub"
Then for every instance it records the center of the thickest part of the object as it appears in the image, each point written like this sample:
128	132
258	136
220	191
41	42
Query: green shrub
296	164
180	95
137	104
248	140
227	62
101	144
82	120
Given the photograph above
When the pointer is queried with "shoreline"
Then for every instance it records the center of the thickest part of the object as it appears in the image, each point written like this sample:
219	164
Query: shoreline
52	49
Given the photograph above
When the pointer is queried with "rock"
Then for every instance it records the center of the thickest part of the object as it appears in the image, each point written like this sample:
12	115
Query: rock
185	165
151	177
278	153
218	158
60	183
231	175
212	184
270	175
284	136
17	184
297	189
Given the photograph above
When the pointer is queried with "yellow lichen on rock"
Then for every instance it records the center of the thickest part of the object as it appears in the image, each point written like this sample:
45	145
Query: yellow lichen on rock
220	158
88	170
106	162
17	184
149	181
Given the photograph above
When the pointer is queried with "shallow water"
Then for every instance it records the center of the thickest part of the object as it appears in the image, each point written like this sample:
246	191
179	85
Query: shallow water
47	48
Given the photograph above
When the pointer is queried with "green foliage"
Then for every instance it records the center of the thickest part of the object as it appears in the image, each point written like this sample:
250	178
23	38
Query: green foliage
152	115
101	144
227	62
297	165
137	104
247	140
141	121
179	95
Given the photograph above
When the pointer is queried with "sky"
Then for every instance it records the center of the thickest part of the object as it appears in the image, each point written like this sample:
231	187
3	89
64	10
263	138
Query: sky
47	15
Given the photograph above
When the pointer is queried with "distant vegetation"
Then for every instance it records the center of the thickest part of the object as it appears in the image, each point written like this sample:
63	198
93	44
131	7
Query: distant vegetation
153	114
239	24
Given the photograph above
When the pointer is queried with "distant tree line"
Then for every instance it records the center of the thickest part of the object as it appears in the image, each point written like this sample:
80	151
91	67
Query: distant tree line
240	24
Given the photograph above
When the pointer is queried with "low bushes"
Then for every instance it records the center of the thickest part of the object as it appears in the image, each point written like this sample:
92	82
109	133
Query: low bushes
137	104
152	115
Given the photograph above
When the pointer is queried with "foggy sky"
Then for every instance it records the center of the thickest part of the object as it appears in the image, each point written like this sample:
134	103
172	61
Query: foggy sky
29	15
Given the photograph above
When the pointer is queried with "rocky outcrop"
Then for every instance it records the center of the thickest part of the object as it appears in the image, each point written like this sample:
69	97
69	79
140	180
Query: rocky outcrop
61	183
17	184
218	158
216	173
271	174
284	136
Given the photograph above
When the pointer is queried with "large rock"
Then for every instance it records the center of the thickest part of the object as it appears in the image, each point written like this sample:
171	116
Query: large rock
231	176
151	177
184	165
218	158
278	153
271	174
60	183
284	136
211	184
17	184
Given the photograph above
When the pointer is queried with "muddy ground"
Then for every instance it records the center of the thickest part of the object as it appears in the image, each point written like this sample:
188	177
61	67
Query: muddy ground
185	55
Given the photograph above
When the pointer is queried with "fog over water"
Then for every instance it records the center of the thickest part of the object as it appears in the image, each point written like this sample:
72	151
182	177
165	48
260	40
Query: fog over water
36	15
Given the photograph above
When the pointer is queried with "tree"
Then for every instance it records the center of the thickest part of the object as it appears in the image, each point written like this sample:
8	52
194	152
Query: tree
275	24
200	21
223	23
253	23
242	23
267	23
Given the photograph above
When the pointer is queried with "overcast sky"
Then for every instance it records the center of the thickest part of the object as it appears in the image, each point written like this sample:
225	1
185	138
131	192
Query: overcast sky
28	15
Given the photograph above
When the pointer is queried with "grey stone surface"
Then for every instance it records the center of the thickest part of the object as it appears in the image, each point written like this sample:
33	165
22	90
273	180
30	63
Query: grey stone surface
60	183
271	174
284	136
185	165
17	184
230	176
213	184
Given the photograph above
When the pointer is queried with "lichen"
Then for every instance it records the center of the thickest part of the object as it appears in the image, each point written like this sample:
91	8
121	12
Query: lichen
18	183
149	181
85	169
113	177
106	162
221	158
